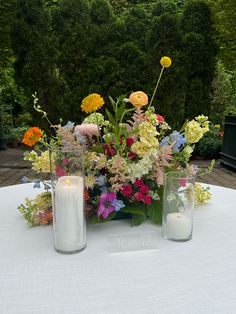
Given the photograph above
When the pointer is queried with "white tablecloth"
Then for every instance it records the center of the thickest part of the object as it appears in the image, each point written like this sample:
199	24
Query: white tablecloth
194	277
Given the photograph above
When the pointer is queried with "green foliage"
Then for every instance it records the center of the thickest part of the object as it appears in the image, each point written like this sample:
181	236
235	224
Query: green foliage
210	145
199	51
223	94
114	47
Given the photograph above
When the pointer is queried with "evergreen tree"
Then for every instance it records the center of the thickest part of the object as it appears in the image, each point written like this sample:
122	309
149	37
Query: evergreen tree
36	54
199	55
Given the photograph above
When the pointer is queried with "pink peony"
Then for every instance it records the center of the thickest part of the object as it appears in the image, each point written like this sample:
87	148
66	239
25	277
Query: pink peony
147	199
139	196
144	189
88	129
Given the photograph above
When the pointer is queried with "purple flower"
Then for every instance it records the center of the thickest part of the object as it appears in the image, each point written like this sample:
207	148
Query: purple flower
105	204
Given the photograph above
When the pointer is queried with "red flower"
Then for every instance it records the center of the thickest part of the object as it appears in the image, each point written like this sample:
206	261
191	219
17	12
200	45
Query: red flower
126	190
160	119
110	151
147	199
138	182
144	189
131	155
60	172
129	141
139	196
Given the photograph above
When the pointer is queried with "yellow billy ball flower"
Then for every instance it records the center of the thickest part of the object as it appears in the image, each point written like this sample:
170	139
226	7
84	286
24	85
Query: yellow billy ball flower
165	62
92	102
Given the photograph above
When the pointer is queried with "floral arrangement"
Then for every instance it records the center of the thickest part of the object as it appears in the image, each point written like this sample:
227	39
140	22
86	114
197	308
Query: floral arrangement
127	148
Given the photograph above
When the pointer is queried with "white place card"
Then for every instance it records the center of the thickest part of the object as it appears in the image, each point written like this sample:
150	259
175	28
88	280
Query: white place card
128	242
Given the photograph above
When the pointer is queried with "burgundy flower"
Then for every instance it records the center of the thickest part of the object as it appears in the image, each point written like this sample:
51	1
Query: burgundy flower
127	190
147	199
138	182
139	196
131	155
129	141
110	151
144	189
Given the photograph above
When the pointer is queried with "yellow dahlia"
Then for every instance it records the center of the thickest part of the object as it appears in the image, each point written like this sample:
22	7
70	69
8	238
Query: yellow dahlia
92	102
165	62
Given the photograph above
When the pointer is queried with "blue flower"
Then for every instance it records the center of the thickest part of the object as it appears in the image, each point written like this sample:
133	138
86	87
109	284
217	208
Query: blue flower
118	204
165	141
101	180
69	125
178	139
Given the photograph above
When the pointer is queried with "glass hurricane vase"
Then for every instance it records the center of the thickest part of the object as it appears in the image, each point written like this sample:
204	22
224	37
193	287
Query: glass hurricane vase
68	200
178	206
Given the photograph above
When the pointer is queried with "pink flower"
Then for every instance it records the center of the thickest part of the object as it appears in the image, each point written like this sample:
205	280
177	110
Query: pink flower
139	196
138	182
60	172
89	129
126	190
129	141
65	161
183	182
144	189
160	119
147	199
105	201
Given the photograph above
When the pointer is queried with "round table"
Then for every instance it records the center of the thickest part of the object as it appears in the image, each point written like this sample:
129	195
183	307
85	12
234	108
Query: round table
198	276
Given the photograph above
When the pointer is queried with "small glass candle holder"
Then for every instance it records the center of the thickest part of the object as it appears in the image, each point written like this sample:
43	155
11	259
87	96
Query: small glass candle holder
178	206
68	200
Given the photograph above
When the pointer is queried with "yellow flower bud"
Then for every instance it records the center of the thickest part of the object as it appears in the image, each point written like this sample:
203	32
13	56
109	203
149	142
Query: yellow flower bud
165	62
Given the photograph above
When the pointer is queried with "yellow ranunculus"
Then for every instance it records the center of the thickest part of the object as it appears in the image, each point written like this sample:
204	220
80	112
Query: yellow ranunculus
165	62
138	99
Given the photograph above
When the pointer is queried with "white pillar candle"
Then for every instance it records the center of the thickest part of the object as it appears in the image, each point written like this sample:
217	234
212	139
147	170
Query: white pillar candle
178	226
69	219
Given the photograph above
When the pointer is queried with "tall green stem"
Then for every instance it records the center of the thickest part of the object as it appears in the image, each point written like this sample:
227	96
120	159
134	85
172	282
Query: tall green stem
155	90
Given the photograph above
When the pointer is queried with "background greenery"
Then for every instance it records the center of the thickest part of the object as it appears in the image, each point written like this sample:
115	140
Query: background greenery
66	49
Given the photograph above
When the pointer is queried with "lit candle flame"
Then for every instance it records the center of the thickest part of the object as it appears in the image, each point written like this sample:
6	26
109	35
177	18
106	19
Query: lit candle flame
68	182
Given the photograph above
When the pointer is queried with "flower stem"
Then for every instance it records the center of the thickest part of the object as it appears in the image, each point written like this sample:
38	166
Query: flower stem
155	90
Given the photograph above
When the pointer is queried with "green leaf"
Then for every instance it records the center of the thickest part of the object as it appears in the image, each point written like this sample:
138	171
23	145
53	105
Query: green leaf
137	220
134	208
154	211
97	220
110	117
113	103
120	111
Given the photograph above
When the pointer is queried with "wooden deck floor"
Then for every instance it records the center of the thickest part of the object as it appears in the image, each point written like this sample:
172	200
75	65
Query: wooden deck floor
13	168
